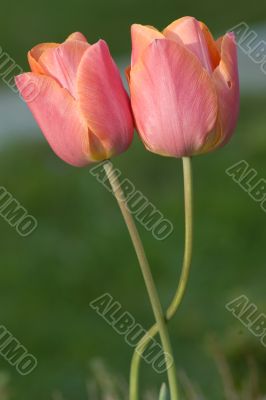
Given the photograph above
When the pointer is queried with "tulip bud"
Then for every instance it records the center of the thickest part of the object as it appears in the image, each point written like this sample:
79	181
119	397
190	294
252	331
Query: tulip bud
82	107
184	87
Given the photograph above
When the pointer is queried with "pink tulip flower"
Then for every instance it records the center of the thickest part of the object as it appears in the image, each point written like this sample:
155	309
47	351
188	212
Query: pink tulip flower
82	107
184	87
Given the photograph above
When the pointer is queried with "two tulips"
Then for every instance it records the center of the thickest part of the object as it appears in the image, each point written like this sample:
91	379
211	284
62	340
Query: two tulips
184	93
184	100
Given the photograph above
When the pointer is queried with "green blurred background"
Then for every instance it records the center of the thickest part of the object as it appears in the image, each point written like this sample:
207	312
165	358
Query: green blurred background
81	248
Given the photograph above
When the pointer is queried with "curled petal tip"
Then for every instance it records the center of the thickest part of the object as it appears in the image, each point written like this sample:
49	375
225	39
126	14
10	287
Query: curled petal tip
142	37
231	35
77	36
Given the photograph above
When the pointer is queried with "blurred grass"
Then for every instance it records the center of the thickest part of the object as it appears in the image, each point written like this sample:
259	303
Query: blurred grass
81	249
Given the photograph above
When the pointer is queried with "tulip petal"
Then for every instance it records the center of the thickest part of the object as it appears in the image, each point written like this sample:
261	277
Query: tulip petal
226	81
173	99
127	73
103	99
142	36
212	46
189	31
35	53
219	44
59	118
62	63
77	36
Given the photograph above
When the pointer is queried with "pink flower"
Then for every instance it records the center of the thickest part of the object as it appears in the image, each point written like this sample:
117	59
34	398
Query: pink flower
184	87
82	107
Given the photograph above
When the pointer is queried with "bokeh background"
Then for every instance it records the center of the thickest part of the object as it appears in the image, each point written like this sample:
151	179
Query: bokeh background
81	248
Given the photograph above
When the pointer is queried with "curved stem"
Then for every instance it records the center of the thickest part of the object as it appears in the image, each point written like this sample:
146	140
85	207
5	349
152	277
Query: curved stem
188	200
149	282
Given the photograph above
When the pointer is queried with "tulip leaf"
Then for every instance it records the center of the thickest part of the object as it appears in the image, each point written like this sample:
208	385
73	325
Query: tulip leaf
163	392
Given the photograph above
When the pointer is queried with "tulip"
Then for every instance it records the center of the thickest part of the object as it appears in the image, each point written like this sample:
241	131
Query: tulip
184	87
82	107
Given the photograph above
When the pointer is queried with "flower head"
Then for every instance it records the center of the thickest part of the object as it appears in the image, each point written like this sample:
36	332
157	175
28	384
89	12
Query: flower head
184	87
82	107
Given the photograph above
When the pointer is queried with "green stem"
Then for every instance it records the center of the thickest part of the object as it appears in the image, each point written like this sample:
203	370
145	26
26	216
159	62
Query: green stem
149	282
188	200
